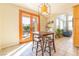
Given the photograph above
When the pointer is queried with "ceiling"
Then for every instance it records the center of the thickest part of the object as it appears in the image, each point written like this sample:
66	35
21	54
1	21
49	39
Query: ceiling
55	8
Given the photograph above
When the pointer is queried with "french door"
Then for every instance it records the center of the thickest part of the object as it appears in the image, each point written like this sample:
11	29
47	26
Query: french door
28	22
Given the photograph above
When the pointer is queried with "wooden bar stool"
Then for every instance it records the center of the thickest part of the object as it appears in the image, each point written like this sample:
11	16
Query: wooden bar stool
37	39
48	44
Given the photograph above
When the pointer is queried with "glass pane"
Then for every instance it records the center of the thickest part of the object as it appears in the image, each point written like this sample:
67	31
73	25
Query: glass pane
62	17
35	24
69	25
70	18
61	24
26	26
70	22
57	23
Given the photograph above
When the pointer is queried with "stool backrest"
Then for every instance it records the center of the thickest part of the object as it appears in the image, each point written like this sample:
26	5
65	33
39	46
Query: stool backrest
36	35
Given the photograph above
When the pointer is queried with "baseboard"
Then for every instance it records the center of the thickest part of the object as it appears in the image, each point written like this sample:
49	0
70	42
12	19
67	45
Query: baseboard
9	45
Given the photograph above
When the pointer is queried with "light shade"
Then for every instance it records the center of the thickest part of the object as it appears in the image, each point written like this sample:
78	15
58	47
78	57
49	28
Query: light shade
44	9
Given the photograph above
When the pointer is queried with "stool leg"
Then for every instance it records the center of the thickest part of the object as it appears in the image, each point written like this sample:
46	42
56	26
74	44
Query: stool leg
37	49
54	46
54	43
49	48
33	46
42	48
45	45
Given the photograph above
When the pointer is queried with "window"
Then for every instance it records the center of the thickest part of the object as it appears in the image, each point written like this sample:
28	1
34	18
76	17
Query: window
60	21
64	23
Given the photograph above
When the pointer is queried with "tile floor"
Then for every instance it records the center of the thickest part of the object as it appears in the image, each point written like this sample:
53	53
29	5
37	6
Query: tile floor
64	47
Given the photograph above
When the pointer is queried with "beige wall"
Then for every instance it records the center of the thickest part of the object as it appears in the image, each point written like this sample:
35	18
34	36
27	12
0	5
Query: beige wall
9	24
0	30
43	22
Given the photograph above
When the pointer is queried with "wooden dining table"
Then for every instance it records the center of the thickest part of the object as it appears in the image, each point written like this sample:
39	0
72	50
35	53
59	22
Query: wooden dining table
43	35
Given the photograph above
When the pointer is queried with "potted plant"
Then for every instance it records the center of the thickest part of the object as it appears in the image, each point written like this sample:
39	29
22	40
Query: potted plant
59	33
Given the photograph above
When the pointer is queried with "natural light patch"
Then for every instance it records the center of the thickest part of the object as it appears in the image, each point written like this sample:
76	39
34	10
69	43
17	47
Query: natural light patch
19	52
14	51
23	49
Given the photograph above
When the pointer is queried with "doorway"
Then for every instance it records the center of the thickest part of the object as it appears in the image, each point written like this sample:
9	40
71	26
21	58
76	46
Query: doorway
28	22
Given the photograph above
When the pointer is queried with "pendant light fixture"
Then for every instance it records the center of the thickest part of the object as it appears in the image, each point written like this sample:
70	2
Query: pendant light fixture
44	8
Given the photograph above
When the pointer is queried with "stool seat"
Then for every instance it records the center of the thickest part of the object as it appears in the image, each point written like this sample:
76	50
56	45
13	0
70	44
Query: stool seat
36	39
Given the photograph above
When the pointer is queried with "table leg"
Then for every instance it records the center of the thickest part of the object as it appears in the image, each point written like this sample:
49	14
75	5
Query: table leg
54	43
43	46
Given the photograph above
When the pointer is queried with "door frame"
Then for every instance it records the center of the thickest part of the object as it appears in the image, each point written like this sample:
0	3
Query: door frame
20	25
